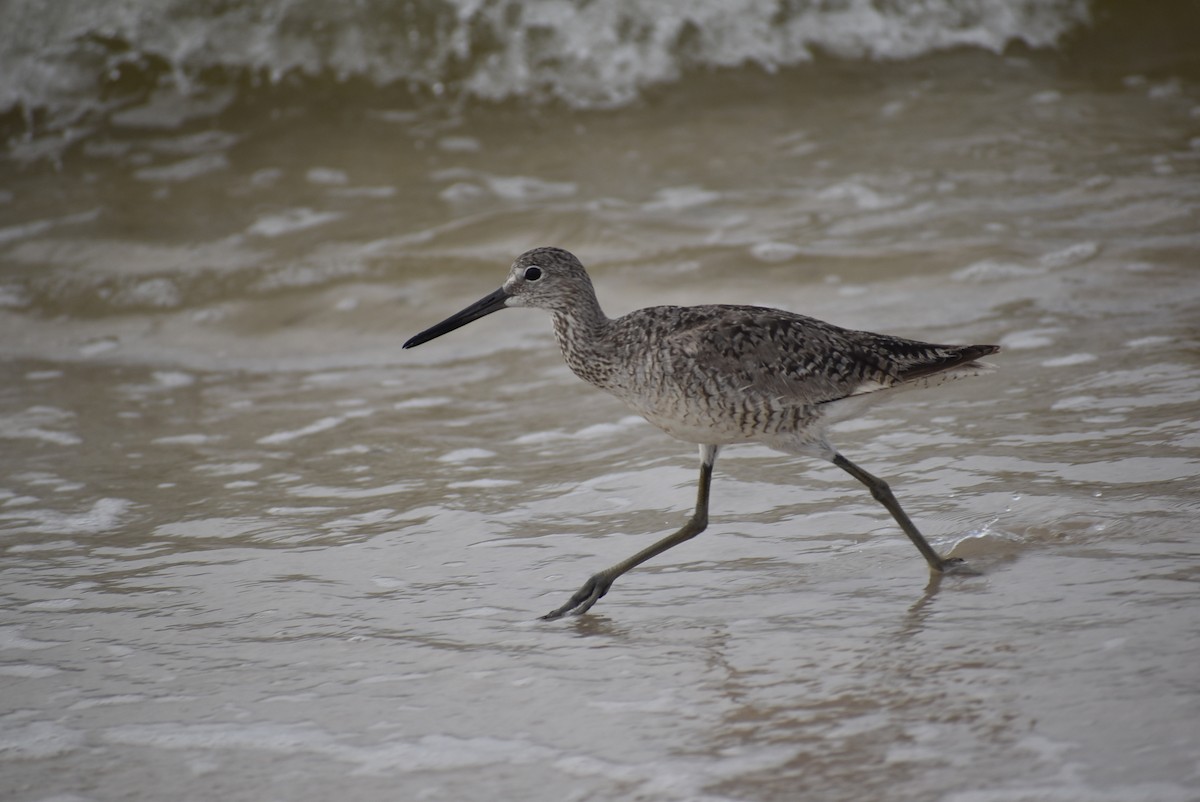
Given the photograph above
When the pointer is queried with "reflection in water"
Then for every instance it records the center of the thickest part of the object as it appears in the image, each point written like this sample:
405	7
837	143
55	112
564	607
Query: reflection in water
591	626
920	609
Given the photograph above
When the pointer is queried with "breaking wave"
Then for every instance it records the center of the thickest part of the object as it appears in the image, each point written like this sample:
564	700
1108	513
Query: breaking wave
60	61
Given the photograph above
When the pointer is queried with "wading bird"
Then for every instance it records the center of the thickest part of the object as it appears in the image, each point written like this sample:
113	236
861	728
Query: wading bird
717	375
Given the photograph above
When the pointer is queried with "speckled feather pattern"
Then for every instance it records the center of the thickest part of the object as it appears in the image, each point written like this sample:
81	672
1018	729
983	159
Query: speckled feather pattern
726	374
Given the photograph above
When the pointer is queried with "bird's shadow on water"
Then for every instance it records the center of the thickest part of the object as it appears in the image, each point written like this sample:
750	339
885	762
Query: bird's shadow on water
921	609
591	625
958	576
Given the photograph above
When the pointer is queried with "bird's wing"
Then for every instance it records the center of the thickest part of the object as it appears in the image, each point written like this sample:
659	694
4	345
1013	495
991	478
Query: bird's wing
771	352
801	359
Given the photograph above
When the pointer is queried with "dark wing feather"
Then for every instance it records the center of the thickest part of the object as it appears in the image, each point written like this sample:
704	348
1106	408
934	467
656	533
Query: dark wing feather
786	355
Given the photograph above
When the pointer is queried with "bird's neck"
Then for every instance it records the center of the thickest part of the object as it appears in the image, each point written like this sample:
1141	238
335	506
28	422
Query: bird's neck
582	334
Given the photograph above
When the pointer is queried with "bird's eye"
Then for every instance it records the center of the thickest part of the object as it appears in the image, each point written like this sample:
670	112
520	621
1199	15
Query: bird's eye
533	273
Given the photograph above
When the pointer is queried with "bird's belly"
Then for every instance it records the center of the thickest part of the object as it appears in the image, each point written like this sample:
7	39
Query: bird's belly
699	432
713	422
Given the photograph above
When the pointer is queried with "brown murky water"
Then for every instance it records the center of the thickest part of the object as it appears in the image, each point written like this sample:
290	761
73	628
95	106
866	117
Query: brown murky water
252	550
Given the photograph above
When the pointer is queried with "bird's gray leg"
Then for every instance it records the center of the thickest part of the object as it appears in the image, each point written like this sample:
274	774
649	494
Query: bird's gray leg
595	588
883	494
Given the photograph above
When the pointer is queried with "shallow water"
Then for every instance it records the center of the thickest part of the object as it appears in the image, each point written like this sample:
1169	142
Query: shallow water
254	550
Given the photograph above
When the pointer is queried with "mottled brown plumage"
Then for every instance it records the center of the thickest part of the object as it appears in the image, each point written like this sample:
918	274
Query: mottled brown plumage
717	375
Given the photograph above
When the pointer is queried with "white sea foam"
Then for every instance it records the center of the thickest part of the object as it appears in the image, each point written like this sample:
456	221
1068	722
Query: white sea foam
184	170
1068	360
291	221
104	515
324	424
466	454
34	424
587	54
322	491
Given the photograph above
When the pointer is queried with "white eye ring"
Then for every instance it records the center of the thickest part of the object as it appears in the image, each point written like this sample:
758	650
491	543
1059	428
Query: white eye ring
533	273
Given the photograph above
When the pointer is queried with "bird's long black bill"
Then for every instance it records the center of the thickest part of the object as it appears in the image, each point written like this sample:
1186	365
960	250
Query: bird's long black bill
482	307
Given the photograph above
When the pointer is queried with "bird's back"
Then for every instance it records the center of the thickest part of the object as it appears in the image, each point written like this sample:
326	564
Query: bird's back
723	374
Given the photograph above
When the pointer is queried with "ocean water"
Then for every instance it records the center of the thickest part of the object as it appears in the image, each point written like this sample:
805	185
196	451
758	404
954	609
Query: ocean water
254	550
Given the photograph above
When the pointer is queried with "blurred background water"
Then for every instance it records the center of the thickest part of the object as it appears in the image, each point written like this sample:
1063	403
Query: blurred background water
254	551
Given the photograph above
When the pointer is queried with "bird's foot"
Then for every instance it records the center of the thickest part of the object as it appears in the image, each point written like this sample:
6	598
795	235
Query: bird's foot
955	565
591	592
